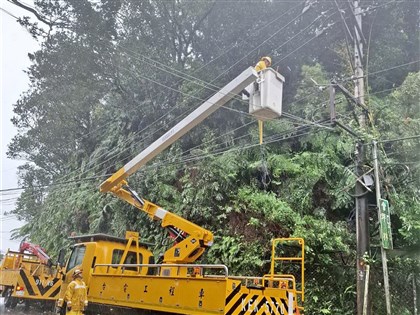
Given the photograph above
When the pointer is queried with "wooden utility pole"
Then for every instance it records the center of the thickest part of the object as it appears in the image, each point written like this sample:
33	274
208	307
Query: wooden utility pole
362	214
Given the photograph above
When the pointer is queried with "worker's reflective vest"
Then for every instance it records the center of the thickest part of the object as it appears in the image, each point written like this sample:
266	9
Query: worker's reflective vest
76	296
260	66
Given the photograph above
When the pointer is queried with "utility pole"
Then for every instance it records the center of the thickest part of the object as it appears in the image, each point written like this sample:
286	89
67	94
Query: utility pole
380	214
362	214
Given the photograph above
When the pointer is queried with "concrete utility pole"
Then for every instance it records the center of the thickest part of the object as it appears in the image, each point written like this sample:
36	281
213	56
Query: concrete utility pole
362	214
383	251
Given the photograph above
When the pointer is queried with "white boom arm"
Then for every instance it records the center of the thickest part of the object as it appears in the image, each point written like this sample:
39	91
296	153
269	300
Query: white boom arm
180	129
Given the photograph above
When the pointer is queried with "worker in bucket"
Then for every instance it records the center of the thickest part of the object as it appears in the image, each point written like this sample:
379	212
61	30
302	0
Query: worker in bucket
76	295
264	63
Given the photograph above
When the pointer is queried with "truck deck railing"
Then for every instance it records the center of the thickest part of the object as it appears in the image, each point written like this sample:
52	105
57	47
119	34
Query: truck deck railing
198	269
271	281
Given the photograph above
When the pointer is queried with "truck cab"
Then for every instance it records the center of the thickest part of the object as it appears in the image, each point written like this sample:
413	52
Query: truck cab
91	251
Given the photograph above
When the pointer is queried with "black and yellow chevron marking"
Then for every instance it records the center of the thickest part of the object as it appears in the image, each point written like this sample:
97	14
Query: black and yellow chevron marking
39	287
241	303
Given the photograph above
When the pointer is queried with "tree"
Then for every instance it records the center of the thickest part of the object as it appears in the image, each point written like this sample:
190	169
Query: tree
112	76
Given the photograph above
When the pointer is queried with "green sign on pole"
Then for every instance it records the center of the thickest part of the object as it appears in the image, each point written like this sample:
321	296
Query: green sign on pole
385	224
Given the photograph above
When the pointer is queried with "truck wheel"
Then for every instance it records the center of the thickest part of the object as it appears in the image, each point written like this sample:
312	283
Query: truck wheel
7	297
60	310
27	305
9	300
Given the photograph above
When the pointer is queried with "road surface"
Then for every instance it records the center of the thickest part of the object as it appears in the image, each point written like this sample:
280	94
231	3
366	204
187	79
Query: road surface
20	310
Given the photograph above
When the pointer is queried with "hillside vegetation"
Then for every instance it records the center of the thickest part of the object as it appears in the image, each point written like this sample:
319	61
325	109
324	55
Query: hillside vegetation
113	76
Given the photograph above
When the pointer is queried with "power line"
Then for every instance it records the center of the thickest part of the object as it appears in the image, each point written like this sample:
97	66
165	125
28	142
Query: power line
266	40
273	1
159	163
307	123
270	37
255	47
90	162
258	46
10	14
307	42
81	180
55	184
194	79
210	84
398	139
302	30
224	107
282	136
381	71
213	80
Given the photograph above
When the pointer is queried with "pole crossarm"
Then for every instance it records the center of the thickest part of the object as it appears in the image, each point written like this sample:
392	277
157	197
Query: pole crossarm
353	98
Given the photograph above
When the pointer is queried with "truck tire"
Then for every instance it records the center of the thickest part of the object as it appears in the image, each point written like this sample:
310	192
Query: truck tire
10	302
60	310
27	305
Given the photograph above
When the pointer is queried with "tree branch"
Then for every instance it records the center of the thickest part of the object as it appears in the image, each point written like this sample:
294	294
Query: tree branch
33	11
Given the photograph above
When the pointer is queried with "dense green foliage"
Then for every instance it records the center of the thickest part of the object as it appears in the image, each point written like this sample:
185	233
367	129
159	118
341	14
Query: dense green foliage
112	76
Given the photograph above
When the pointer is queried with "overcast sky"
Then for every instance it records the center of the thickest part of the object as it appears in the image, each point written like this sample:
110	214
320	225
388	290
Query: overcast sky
15	45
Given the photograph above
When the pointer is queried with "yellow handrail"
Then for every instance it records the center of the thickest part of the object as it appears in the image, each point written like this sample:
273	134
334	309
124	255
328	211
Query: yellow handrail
300	258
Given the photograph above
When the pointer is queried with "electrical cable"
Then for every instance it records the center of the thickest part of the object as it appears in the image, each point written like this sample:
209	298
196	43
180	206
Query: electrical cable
398	139
347	33
285	114
302	30
166	86
276	139
247	114
127	158
282	136
380	71
271	22
256	31
274	1
385	4
306	121
266	40
294	35
10	14
160	83
304	44
242	58
194	79
56	184
271	140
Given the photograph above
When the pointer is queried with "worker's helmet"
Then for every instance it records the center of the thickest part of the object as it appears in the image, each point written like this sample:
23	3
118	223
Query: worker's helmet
77	273
268	59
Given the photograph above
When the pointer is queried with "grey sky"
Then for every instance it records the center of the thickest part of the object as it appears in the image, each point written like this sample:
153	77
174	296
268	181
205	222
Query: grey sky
16	42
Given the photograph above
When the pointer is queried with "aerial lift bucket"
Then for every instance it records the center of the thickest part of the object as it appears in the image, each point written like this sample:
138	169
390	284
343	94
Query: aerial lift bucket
266	95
